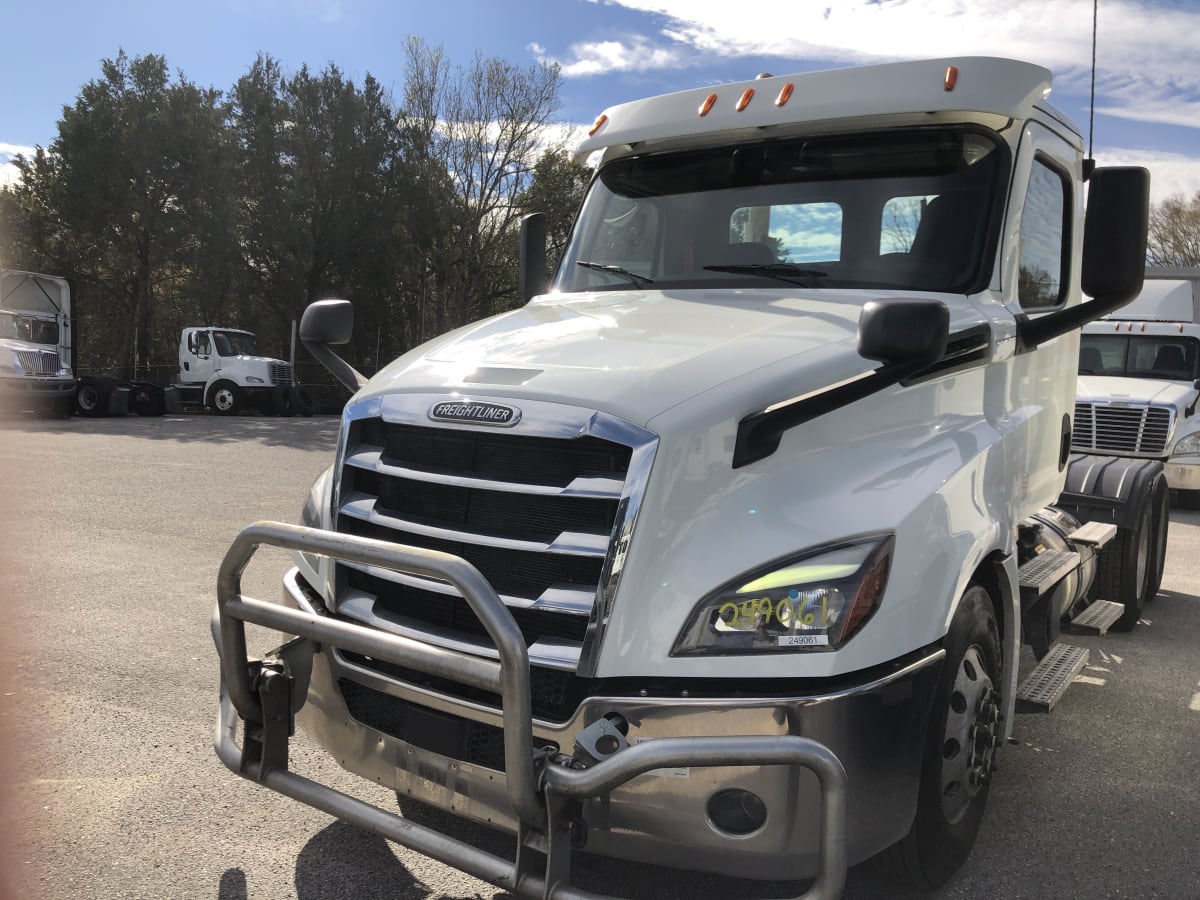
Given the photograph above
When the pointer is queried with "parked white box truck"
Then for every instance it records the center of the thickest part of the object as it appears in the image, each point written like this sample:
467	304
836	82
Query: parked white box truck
720	552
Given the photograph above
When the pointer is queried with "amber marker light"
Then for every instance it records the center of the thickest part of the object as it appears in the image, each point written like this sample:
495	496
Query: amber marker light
707	104
744	100
785	94
951	78
598	124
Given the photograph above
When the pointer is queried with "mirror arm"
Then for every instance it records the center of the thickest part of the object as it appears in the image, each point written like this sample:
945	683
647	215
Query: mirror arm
338	367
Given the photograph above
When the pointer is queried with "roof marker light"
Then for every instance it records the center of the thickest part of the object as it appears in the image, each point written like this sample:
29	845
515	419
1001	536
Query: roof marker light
598	124
1143	326
744	101
951	78
785	94
707	104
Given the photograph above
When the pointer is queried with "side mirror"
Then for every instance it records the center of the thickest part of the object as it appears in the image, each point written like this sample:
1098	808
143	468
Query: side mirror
327	323
531	274
1114	253
191	342
903	331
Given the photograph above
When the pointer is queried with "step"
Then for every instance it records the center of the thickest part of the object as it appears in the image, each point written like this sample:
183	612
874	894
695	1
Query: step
1049	681
1044	571
1095	533
1097	618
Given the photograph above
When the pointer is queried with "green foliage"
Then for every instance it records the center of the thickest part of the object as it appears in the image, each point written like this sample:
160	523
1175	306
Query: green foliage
174	205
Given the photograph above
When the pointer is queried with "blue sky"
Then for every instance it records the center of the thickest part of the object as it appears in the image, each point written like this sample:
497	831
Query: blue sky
612	51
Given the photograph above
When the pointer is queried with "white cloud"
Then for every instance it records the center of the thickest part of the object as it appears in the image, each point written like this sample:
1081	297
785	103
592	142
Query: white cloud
1170	173
8	172
1146	52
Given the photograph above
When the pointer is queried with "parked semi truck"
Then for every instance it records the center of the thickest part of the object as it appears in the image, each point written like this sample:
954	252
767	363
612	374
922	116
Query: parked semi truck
1138	380
35	342
721	551
219	369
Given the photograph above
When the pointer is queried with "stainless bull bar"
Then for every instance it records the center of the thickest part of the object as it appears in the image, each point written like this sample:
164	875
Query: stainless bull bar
545	796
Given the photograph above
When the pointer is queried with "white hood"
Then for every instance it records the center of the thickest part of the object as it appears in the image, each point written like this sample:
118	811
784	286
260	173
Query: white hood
638	353
1106	389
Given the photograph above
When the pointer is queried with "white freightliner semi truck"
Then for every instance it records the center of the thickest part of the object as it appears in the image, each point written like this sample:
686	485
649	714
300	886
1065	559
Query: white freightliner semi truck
1139	380
721	551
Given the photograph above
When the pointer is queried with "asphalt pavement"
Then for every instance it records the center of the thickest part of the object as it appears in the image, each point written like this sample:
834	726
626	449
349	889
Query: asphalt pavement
113	531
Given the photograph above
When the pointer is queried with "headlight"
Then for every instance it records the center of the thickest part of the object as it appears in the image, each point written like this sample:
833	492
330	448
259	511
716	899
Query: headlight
254	379
1188	446
816	601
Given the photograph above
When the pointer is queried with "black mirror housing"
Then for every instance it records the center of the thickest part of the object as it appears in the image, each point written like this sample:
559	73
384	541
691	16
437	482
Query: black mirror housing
327	322
531	276
903	331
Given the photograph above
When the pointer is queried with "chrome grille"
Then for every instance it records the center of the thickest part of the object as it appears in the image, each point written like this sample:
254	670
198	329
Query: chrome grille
538	509
1122	430
38	362
281	373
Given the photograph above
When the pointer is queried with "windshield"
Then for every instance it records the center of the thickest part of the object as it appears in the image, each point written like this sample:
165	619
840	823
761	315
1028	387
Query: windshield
234	343
28	328
1139	356
910	209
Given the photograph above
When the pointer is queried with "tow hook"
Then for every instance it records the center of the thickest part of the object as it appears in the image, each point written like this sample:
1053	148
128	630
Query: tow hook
601	739
266	742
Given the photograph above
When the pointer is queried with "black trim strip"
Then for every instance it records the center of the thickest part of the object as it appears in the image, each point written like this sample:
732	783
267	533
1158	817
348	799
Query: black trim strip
758	434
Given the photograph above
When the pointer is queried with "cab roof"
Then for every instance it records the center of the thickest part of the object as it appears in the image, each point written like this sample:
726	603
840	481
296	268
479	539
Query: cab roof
971	85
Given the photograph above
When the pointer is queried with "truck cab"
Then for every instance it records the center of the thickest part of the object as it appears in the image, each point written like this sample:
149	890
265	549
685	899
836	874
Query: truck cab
1138	389
221	368
35	341
720	551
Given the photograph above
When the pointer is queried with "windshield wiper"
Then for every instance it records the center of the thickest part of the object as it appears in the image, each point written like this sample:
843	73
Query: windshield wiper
637	280
789	272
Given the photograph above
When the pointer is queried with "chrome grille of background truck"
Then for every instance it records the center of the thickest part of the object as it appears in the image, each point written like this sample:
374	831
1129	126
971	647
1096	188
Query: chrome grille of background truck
540	509
38	362
1121	430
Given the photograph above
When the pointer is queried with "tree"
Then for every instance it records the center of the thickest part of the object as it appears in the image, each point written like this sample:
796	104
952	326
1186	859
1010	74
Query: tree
557	189
326	195
1174	237
121	198
480	127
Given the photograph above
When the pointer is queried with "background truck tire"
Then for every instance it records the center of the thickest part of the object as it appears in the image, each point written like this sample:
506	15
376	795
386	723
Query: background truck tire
1126	569
281	399
956	768
303	403
92	395
147	399
1160	518
226	398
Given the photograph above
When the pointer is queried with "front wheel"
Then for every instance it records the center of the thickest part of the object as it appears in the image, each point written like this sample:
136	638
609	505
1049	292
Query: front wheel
960	750
226	398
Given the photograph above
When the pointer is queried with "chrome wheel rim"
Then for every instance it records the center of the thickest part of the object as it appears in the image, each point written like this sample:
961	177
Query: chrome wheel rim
972	735
223	400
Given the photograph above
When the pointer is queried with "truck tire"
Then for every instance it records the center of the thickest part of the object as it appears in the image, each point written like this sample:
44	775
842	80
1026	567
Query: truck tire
1126	570
960	749
302	400
281	399
226	398
147	399
92	396
1160	516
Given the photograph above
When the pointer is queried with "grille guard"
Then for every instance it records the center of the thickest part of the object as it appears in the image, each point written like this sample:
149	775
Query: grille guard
544	796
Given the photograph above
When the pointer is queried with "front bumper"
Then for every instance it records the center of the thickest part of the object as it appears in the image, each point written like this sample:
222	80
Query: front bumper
1183	476
36	386
646	802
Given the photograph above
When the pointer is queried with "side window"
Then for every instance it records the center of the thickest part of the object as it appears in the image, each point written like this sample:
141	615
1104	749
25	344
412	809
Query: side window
1043	256
203	347
796	232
